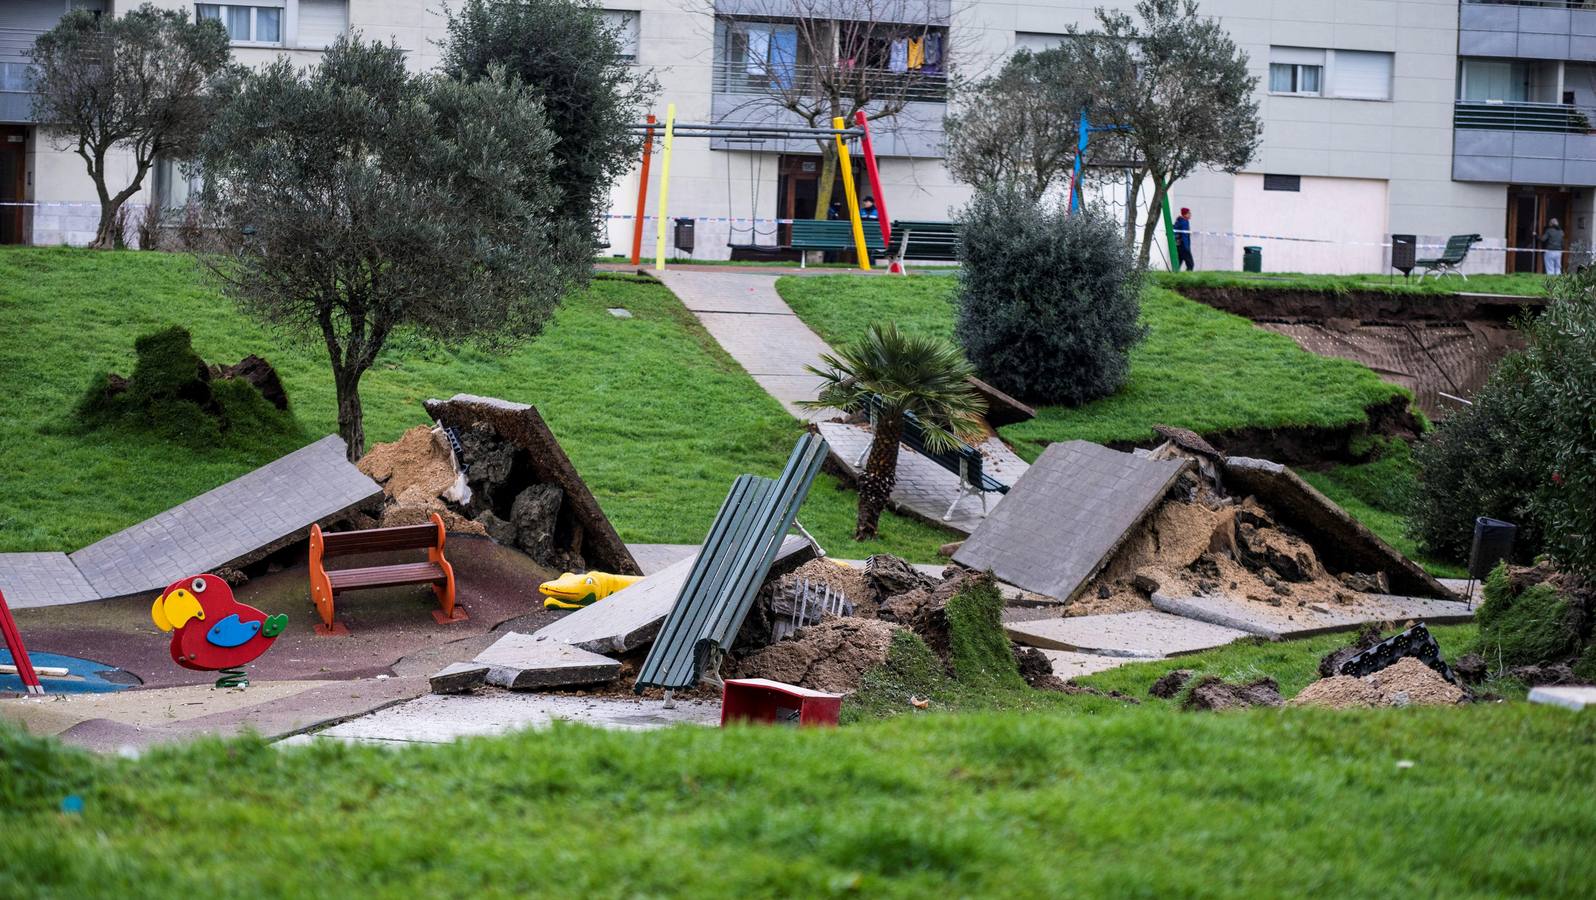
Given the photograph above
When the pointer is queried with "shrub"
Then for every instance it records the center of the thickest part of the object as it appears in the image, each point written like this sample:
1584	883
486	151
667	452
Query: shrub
1526	625
1048	302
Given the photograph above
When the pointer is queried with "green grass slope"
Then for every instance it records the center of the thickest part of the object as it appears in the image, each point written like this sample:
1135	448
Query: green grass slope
1521	285
655	416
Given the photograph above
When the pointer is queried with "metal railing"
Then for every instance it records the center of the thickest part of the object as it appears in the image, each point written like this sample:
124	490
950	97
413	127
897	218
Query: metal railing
16	73
1546	118
927	87
1543	4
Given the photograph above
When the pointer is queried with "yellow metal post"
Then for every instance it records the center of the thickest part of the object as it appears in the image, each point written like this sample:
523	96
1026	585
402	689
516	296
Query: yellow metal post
664	184
853	198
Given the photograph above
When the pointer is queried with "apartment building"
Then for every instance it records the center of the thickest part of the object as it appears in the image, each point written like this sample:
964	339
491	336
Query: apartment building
1424	117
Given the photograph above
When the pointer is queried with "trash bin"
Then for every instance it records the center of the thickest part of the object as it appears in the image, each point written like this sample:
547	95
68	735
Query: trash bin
1404	253
1252	259
1493	543
684	235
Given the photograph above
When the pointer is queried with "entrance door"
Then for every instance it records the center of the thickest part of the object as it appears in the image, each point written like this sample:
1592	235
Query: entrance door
796	191
13	184
1529	209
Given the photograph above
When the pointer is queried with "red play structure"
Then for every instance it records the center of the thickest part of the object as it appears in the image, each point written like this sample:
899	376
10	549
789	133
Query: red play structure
19	653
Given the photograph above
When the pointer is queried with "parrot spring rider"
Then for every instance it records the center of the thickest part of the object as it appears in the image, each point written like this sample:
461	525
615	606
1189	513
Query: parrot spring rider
212	632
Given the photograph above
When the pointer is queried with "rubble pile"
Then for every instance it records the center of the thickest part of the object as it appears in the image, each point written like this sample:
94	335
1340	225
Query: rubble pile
418	475
832	656
1406	682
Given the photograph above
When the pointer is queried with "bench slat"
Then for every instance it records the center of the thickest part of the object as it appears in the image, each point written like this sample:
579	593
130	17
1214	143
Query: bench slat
373	540
385	576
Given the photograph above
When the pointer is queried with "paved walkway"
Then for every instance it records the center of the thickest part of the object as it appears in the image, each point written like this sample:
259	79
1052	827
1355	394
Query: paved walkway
438	719
238	522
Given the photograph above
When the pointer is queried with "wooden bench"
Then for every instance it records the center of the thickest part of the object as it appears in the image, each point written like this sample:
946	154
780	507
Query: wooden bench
964	461
1457	248
827	234
926	240
326	584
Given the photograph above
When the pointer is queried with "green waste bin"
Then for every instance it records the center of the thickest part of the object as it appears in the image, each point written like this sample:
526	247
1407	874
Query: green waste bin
1252	259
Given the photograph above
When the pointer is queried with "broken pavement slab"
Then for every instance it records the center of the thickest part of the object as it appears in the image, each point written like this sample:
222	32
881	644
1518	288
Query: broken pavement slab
1069	664
459	677
524	662
1291	621
1065	517
631	617
1145	634
1567	696
1342	543
432	719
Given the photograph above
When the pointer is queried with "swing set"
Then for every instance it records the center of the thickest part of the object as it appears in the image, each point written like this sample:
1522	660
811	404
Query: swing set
839	131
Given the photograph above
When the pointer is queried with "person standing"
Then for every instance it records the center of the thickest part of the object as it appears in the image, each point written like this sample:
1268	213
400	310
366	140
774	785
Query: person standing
1552	245
1183	241
867	209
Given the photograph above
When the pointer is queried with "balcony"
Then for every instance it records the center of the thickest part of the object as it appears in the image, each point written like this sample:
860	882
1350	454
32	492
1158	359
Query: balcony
16	74
1524	143
913	87
1528	29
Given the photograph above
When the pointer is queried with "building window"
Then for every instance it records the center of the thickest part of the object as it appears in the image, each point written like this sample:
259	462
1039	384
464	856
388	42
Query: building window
1360	75
1296	70
1036	41
246	24
1348	74
624	22
1282	183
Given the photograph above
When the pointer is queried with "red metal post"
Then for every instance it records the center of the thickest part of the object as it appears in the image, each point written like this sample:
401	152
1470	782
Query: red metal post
19	653
642	193
869	154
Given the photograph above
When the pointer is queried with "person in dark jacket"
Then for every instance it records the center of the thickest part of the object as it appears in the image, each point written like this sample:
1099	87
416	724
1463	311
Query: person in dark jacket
1552	244
1183	240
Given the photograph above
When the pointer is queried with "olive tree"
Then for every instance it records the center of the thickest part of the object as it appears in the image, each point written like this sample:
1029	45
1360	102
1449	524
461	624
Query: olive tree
1019	127
134	83
355	200
1177	85
572	61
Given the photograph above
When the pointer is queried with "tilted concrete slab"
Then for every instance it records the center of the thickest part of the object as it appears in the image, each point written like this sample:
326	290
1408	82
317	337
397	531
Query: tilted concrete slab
30	580
1064	518
1069	664
523	662
1343	543
434	719
1566	696
1292	621
1144	634
459	677
631	617
232	525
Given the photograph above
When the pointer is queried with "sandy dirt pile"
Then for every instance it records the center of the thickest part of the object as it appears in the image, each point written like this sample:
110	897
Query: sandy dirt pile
832	656
1406	682
415	473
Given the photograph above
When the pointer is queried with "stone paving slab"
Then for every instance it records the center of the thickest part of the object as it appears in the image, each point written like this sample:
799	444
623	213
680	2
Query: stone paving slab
653	558
436	719
522	662
630	617
1566	696
1068	664
1066	515
1292	621
925	489
1144	634
278	501
30	580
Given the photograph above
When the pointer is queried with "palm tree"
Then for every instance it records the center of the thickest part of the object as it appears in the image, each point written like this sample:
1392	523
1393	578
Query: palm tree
898	374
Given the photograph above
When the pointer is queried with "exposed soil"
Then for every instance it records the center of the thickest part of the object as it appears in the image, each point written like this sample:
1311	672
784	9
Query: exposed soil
1213	693
416	473
832	656
844	579
1310	446
1406	682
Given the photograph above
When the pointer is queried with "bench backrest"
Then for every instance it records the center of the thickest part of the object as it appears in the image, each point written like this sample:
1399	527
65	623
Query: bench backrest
914	438
828	234
926	240
1457	247
377	540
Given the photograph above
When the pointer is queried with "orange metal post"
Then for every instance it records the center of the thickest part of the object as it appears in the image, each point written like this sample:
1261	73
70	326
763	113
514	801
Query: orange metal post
642	193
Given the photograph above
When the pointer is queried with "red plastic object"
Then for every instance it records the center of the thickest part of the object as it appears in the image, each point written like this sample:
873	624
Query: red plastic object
775	703
19	653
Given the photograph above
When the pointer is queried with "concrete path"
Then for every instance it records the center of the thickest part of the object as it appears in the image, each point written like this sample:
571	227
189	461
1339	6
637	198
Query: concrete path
238	522
751	321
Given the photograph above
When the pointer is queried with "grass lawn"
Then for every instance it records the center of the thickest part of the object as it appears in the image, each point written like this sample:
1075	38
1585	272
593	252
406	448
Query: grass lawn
1524	285
1073	799
655	416
1199	368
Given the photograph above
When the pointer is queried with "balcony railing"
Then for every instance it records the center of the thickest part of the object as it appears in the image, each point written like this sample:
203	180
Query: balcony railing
1546	118
1543	4
16	74
803	80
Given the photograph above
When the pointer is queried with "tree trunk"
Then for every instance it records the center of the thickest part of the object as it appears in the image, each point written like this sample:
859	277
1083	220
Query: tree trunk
105	236
351	421
1130	211
879	476
1155	210
826	184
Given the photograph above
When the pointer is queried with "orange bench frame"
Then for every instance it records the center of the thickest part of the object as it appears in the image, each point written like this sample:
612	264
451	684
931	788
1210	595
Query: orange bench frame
323	594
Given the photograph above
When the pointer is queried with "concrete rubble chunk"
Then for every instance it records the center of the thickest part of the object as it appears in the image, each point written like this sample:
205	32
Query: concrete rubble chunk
1145	633
1566	696
459	677
1066	516
631	617
1292	621
1069	664
524	662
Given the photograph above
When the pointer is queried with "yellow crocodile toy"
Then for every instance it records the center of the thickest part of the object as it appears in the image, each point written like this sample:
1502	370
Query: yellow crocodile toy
571	591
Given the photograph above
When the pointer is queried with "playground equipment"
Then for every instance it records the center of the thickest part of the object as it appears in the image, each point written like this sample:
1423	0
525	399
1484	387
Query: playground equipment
211	631
19	653
1083	140
839	131
571	591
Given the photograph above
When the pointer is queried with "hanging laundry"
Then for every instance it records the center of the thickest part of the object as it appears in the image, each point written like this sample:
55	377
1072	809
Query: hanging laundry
783	56
933	50
898	59
916	53
758	51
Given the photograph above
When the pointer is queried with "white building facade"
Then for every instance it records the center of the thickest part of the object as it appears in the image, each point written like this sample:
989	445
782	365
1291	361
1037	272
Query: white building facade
1422	117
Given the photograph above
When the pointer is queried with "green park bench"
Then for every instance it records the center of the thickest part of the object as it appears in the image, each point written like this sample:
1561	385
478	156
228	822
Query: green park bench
1456	250
926	240
831	234
963	460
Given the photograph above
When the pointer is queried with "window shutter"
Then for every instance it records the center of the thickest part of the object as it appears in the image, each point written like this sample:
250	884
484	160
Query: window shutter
1296	56
1362	75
